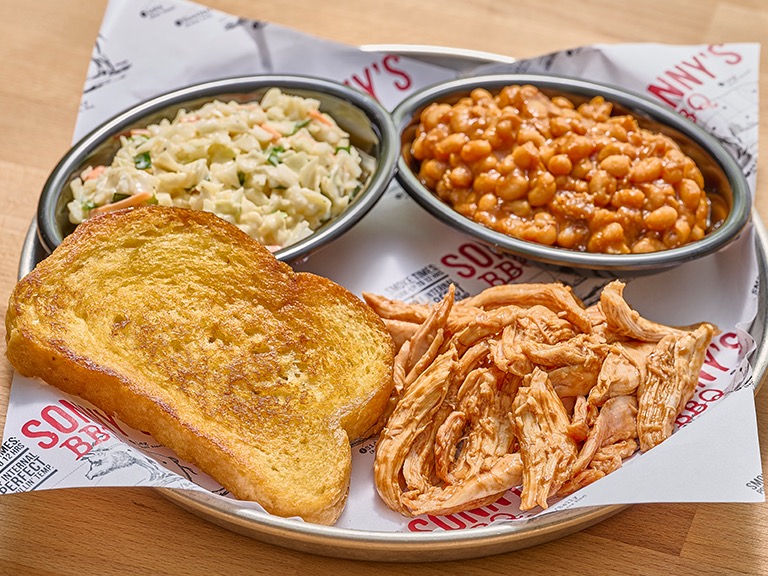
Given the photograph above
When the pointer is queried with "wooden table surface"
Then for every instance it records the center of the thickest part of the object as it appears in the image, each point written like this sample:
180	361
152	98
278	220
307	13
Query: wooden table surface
45	46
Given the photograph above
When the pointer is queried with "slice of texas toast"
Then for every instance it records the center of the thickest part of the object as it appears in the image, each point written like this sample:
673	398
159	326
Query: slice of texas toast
186	328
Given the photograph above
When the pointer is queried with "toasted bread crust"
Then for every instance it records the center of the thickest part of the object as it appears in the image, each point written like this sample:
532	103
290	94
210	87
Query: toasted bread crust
186	328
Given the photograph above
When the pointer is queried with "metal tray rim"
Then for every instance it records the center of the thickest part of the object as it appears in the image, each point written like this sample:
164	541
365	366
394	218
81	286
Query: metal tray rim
399	546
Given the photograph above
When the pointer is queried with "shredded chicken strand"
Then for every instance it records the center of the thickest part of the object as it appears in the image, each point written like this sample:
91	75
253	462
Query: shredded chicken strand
485	397
540	324
507	352
605	461
620	375
396	310
480	490
411	417
578	350
486	324
576	379
400	330
617	421
389	309
627	322
474	357
673	370
547	451
430	329
557	297
583	417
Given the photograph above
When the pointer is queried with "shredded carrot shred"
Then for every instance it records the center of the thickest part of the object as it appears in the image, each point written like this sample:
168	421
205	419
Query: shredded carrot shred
94	173
131	201
317	115
272	130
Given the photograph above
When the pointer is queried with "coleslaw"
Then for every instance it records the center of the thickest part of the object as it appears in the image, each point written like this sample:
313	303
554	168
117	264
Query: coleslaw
278	168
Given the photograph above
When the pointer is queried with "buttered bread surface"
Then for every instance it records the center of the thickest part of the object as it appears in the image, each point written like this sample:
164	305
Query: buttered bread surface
186	328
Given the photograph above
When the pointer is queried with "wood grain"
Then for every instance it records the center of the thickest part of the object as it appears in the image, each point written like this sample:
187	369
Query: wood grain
45	47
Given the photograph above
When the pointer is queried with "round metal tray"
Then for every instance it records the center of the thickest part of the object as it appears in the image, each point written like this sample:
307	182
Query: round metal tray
425	546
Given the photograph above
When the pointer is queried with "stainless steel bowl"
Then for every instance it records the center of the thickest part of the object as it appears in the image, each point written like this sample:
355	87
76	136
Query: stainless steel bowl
723	175
367	122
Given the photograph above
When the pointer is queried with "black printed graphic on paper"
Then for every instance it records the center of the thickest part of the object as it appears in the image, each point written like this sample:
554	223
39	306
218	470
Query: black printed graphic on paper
105	69
255	29
20	469
108	460
425	286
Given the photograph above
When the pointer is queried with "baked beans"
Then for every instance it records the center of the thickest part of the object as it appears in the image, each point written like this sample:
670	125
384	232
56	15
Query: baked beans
548	171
